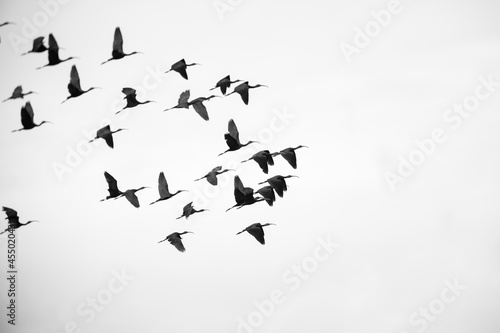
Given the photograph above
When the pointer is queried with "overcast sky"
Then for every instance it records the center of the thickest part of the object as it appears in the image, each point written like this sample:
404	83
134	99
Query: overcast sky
392	225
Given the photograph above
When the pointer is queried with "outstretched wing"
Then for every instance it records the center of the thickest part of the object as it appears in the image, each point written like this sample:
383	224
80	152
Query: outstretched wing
163	186
129	92
261	159
112	186
74	83
132	198
268	193
53	50
258	232
233	130
118	42
183	98
18	92
290	157
27	115
201	110
176	241
38	45
11	215
278	185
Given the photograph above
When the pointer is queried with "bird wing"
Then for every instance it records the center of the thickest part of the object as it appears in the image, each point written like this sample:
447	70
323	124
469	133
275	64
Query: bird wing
290	157
53	50
163	186
106	134
132	198
11	215
18	91
129	91
269	157
180	67
231	142
261	159
212	178
109	140
118	41
183	99
27	115
52	43
112	185
74	83
176	241
233	130
268	193
186	211
38	44
201	110
258	232
244	96
278	185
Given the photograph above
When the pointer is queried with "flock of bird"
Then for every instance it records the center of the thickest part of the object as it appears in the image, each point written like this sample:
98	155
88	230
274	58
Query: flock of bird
244	196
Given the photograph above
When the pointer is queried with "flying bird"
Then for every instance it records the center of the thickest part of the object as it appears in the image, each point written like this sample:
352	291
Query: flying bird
180	67
196	103
131	97
243	88
13	219
27	118
74	85
257	231
189	210
117	52
107	134
54	53
233	138
243	196
263	159
163	189
224	83
18	93
212	175
38	46
289	155
278	183
267	193
113	190
131	196
176	240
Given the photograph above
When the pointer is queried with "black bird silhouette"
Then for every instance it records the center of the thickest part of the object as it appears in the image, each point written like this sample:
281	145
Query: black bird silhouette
257	231
13	219
278	183
289	155
54	53
118	47
196	103
189	210
107	134
180	67
74	85
263	159
233	138
224	83
38	46
163	189
267	193
212	175
113	190
131	97
243	196
176	240
18	93
243	88
27	118
131	196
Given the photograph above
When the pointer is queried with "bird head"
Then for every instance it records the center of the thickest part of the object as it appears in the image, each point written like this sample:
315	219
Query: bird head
300	146
45	122
186	232
291	176
266	224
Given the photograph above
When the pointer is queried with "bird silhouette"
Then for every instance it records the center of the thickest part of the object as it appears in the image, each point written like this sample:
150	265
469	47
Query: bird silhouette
233	138
163	189
243	196
263	159
224	83
113	190
13	220
117	52
6	23
257	231
176	240
38	46
107	134
131	97
196	103
180	67
212	175
54	53
189	210
278	183
242	90
131	196
267	193
289	155
74	85
27	118
18	93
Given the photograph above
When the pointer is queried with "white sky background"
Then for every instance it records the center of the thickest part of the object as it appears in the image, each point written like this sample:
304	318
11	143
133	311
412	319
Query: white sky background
396	248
